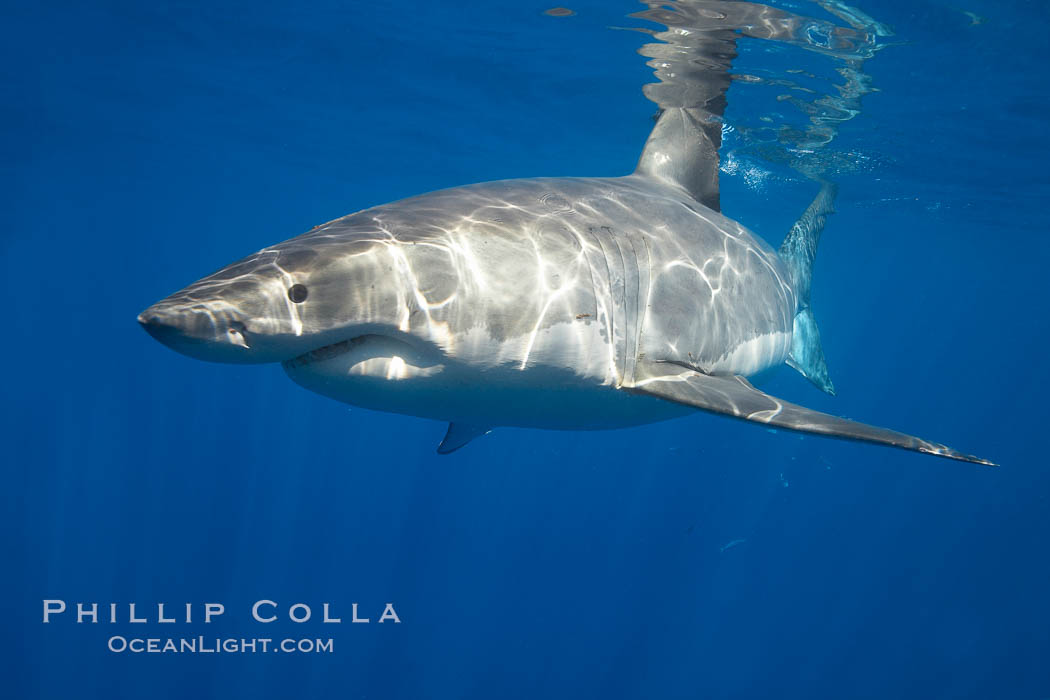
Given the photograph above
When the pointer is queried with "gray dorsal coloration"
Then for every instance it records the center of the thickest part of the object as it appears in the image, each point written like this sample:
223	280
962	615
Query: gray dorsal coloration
556	303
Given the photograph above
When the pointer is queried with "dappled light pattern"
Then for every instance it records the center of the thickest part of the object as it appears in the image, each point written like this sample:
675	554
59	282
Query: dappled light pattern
578	274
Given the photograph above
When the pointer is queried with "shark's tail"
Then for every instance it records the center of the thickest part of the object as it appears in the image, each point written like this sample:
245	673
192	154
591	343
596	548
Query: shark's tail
799	250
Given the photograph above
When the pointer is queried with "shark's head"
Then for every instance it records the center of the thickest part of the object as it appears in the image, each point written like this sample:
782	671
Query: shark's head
269	307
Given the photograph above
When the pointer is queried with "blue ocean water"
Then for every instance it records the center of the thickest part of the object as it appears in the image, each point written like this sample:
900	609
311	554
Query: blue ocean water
145	145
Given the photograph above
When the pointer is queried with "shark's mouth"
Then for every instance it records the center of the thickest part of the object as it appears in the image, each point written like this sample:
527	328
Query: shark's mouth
326	352
367	355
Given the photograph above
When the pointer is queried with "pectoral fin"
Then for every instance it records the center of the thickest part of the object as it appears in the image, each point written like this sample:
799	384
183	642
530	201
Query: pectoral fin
458	435
734	396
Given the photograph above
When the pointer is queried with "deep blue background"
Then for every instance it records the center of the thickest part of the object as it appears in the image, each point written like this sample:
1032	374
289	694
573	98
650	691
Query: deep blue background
145	145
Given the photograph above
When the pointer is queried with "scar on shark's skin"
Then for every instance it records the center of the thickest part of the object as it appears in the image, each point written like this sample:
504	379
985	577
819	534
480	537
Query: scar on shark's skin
460	305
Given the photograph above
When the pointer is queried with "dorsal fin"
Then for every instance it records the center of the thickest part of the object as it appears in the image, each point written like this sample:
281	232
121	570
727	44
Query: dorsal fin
692	61
683	150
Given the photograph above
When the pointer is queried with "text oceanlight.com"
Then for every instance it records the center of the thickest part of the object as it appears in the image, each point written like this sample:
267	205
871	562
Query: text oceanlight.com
217	645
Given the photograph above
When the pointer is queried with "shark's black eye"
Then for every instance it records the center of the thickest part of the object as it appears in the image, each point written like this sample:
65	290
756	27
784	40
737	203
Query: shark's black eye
297	293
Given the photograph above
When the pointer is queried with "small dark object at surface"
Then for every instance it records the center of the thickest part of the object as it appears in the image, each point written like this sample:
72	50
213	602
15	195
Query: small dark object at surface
297	293
559	12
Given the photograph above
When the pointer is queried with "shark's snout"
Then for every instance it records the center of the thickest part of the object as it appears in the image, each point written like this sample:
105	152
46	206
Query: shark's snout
198	332
163	327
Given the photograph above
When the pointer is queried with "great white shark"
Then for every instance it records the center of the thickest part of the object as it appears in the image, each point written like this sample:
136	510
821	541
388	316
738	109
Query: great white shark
557	303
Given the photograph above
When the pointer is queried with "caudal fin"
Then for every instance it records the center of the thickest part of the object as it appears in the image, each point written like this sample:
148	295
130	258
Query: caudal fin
798	251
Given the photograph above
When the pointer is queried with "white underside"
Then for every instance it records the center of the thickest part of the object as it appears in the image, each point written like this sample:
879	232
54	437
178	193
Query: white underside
388	374
754	356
